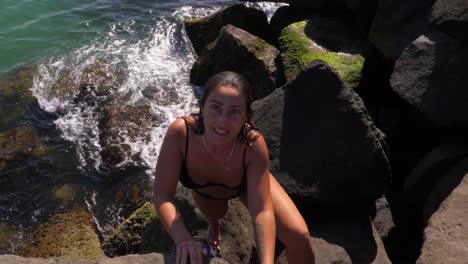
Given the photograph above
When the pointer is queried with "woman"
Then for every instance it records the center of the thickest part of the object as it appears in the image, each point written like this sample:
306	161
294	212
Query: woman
219	155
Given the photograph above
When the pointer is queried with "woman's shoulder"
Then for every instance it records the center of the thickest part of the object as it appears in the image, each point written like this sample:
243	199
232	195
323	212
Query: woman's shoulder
258	148
177	128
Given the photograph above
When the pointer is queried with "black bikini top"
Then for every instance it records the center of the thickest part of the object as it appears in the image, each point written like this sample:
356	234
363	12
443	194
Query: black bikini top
190	184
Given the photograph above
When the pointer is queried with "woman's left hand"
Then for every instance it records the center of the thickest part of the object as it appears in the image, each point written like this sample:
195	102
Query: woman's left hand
189	249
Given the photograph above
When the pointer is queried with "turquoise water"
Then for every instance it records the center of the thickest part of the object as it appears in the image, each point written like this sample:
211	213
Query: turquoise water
33	29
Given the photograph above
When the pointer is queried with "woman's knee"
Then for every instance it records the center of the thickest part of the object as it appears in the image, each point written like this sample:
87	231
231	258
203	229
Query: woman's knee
297	237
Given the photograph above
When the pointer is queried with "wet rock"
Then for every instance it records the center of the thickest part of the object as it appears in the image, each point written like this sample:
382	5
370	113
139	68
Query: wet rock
451	17
324	148
237	50
98	78
15	95
446	235
128	237
318	4
122	125
9	238
203	31
66	192
70	235
397	24
328	39
18	144
430	75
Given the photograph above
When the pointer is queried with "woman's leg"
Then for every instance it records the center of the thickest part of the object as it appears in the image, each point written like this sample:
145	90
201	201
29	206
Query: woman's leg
213	211
291	228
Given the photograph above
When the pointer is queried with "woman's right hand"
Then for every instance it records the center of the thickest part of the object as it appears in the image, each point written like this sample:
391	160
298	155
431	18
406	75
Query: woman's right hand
189	249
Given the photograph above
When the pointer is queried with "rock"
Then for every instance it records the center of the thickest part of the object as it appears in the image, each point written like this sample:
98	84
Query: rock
237	50
98	78
70	235
363	13
430	75
128	238
9	238
286	15
396	24
66	192
18	144
328	39
446	235
351	239
203	31
15	95
324	148
451	17
383	220
430	169
122	125
154	258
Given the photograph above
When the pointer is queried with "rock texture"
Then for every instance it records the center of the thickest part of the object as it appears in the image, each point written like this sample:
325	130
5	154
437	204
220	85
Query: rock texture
451	17
203	31
445	236
70	235
323	146
237	50
430	76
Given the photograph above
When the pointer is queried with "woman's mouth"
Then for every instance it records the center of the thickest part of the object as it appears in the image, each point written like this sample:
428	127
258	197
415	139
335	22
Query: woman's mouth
220	132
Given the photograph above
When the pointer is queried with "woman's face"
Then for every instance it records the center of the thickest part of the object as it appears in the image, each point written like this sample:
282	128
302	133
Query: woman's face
224	114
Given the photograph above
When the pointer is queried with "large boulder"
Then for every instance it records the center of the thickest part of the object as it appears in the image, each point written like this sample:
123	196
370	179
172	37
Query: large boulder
286	15
328	39
18	144
203	31
324	148
451	17
69	235
363	12
396	24
16	97
318	4
446	235
237	50
431	76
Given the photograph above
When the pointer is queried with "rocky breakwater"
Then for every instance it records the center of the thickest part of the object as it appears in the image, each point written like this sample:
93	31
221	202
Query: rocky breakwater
358	106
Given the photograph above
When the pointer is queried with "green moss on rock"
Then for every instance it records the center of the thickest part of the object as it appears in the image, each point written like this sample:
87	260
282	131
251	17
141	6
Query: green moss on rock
142	232
70	235
298	51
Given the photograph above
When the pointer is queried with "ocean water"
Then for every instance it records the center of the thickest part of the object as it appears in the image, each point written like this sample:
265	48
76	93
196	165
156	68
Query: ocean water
146	42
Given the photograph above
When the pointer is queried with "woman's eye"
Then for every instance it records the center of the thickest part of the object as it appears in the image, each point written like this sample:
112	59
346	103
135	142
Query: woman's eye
215	107
235	111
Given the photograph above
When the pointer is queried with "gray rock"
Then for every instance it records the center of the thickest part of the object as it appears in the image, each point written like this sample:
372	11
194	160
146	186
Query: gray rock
397	23
451	17
324	148
446	235
203	31
383	220
431	76
239	51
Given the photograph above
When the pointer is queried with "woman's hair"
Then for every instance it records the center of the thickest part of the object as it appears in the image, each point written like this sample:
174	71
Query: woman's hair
248	133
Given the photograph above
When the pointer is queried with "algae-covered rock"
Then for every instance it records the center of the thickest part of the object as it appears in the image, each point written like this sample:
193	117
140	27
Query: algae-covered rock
9	237
15	95
66	192
18	144
203	31
237	50
132	236
124	124
69	235
99	77
328	39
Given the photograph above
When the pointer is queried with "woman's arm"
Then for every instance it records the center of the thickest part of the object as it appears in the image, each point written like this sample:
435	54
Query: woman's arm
259	200
166	179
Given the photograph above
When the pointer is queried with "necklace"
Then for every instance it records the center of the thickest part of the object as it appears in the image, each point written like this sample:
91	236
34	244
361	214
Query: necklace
225	161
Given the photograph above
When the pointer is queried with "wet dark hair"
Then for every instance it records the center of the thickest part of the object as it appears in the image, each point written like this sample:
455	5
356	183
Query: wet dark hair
249	132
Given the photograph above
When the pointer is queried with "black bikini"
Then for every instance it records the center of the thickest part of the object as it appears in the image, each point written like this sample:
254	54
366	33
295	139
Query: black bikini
190	184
